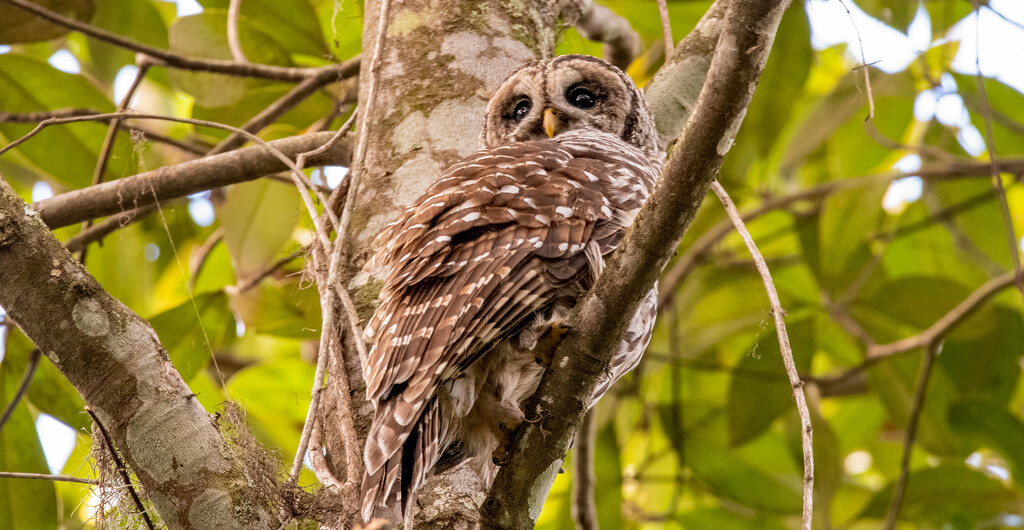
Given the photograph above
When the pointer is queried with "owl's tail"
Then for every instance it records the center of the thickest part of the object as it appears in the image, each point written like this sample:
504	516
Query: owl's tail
408	461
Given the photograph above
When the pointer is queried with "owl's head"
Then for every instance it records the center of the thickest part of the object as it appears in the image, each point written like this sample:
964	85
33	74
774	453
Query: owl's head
543	99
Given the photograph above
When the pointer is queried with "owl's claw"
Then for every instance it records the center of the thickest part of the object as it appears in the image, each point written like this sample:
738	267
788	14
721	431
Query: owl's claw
544	353
503	453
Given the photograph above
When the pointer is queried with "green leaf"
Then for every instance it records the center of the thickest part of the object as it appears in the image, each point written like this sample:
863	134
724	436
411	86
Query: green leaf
293	24
140	21
29	85
1007	105
288	309
982	354
608	473
849	221
895	382
735	478
276	397
204	35
258	218
23	503
944	14
778	90
836	123
184	333
22	26
989	424
895	13
50	392
760	391
946	493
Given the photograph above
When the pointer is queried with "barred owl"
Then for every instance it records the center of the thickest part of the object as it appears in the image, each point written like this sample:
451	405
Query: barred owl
482	268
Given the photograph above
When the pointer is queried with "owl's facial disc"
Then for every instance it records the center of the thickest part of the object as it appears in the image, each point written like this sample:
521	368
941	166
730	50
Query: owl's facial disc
546	98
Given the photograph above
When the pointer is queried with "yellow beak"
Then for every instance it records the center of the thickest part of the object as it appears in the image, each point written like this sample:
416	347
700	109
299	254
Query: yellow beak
551	122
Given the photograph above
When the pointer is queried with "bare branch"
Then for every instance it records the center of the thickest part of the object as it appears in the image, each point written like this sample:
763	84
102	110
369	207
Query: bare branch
36	117
934	333
167	58
44	476
666	27
234	44
97	232
746	36
108	141
910	436
183	179
265	117
598	23
26	381
778	315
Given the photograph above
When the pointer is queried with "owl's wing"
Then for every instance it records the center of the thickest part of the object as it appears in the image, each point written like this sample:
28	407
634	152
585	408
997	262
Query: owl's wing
488	245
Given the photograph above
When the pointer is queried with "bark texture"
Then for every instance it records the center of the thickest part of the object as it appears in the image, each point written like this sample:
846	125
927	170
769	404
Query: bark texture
114	359
746	35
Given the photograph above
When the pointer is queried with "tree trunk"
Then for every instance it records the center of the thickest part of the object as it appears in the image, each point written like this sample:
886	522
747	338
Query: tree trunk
114	359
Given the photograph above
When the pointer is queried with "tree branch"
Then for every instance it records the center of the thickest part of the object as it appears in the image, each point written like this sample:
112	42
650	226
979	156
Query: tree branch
115	361
167	58
746	37
935	332
923	376
184	179
44	476
598	23
795	383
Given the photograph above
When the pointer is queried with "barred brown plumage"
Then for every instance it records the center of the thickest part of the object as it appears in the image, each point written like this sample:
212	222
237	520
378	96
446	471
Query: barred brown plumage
493	253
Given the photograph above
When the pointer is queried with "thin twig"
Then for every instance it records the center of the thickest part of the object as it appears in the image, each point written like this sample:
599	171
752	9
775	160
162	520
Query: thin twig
342	131
26	380
44	476
274	267
584	511
778	315
108	141
666	27
202	253
121	468
97	232
265	117
990	146
168	58
924	374
234	43
863	63
36	117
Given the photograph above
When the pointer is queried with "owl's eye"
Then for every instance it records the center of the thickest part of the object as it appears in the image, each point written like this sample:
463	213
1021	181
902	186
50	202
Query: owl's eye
580	97
521	110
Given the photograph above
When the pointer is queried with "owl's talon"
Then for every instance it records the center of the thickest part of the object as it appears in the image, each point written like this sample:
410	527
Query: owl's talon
544	353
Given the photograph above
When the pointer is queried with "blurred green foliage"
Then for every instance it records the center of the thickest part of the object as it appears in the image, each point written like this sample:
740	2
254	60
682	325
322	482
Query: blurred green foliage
704	434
